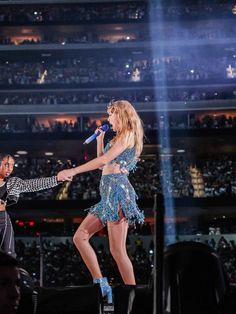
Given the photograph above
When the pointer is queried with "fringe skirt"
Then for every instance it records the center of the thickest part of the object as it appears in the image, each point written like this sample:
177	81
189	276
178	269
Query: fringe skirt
116	189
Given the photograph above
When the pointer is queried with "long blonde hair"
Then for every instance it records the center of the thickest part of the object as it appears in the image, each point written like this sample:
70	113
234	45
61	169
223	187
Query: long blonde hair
130	126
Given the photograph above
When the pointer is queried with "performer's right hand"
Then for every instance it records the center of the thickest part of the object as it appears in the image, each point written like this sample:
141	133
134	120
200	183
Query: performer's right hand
64	175
101	135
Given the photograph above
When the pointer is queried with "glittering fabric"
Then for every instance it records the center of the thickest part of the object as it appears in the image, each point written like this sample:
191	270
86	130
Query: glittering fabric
116	189
127	159
16	186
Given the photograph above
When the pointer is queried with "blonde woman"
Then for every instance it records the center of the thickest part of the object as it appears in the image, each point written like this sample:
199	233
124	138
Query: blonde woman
117	208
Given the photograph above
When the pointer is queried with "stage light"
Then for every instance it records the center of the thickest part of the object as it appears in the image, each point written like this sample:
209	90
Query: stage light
22	152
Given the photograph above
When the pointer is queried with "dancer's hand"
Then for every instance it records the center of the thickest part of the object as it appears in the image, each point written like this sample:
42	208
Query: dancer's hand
65	175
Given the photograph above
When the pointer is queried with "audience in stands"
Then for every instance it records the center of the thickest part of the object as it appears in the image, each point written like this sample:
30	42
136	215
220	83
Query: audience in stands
135	95
185	121
112	69
217	173
63	266
126	12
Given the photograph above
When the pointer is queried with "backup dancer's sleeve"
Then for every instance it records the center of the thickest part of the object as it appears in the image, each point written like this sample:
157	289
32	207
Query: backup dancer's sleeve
17	185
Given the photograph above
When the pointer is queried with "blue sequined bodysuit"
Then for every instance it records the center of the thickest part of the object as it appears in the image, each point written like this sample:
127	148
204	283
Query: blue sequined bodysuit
116	189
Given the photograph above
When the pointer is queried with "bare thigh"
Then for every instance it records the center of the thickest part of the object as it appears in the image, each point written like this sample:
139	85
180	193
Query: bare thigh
117	233
90	225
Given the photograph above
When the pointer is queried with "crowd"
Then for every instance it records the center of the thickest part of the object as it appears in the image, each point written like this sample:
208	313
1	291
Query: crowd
72	13
96	12
217	172
187	94
110	69
207	30
227	252
63	266
186	121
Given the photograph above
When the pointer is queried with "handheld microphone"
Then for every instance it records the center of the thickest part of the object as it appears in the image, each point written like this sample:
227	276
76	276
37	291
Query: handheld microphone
104	128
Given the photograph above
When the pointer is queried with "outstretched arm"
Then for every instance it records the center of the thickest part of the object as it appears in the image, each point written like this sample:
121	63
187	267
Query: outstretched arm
31	185
95	163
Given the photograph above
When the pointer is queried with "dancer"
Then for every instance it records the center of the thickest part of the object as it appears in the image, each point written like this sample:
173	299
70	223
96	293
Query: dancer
10	190
117	208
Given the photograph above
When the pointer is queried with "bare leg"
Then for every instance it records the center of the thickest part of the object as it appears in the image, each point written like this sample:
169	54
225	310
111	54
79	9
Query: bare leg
117	232
90	225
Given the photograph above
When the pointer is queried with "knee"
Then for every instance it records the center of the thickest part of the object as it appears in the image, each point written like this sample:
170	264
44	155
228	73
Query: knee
80	237
116	253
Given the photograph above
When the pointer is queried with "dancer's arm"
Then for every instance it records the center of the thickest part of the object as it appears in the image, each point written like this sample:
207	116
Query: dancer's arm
32	185
95	163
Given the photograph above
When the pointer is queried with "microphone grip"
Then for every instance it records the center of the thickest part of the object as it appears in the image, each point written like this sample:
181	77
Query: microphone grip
91	138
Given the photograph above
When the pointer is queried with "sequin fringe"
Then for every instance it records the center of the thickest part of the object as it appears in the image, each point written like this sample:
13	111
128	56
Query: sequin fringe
116	189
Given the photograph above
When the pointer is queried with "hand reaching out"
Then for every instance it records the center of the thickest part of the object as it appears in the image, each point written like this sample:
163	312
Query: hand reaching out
65	175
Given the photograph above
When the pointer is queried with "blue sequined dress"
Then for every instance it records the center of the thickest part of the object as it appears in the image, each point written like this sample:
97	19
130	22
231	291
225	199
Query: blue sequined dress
116	189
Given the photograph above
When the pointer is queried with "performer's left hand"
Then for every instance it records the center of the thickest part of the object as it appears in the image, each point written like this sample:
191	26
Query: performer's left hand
65	175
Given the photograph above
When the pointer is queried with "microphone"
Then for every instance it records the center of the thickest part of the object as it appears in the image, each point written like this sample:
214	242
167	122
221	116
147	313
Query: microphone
104	128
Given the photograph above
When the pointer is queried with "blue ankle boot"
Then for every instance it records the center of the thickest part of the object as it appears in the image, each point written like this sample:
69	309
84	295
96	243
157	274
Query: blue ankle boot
105	288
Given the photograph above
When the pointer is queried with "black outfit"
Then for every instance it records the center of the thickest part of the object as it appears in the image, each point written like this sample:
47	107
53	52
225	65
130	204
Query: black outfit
6	231
9	194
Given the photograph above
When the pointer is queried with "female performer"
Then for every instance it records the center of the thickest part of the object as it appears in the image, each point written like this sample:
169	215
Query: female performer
10	190
117	208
